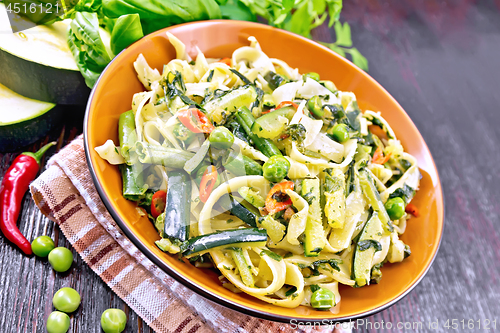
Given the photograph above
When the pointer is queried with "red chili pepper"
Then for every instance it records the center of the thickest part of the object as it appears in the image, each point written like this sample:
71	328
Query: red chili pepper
226	61
286	103
158	203
412	209
195	120
379	158
14	185
277	199
207	183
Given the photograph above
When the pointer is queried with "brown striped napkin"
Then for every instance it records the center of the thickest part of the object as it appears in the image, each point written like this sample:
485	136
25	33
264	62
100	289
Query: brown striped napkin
66	194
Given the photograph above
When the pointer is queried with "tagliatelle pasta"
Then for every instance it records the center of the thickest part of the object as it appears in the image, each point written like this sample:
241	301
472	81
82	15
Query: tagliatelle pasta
273	178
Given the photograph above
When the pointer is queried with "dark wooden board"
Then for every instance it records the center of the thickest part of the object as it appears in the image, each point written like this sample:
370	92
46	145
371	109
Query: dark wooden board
441	61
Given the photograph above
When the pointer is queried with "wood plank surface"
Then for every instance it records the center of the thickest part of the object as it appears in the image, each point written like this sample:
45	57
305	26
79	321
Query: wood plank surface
441	61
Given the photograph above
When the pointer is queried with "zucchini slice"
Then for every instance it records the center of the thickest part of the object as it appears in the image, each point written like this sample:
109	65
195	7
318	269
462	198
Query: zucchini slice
272	124
178	209
314	240
226	238
24	120
366	247
37	62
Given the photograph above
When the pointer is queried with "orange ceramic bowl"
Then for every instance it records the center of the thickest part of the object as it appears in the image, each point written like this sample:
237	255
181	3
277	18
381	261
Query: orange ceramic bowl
113	93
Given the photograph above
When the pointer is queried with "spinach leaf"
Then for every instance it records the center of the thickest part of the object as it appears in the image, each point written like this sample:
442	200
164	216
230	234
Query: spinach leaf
314	287
367	243
406	193
87	46
158	14
241	76
127	29
274	80
334	263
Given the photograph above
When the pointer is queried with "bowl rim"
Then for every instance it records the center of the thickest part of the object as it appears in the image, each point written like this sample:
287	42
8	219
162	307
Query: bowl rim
212	296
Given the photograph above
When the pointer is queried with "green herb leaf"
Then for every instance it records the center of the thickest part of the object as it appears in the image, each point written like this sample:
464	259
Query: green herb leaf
236	10
358	59
158	14
87	47
314	287
127	29
367	243
406	193
334	9
271	255
241	76
343	33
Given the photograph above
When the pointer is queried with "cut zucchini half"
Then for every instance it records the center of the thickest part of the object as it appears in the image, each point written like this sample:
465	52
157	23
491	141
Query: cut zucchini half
24	120
37	63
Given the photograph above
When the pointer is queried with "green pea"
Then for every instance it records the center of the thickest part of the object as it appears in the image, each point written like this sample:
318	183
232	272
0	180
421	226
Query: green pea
60	259
322	299
57	322
276	168
221	138
113	321
340	133
312	75
42	246
316	106
66	300
395	208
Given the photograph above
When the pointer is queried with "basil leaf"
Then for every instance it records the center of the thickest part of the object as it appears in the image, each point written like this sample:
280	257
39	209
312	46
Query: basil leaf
87	46
158	14
236	10
127	29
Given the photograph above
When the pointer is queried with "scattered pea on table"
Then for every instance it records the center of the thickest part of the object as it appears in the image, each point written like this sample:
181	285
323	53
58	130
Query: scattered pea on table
66	300
60	259
41	246
113	321
57	322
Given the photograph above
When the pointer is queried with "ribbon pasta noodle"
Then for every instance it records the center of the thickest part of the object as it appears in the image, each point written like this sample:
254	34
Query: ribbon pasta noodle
272	177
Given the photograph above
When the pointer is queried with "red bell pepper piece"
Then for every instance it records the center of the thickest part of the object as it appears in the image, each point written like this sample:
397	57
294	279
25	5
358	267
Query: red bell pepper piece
207	182
412	209
379	158
158	203
277	199
195	120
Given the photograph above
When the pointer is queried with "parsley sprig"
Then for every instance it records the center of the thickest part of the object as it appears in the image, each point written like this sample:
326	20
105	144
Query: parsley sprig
298	16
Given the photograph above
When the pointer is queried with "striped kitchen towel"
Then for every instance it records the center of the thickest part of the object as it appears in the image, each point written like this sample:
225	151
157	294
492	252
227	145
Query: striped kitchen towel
66	194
